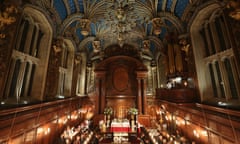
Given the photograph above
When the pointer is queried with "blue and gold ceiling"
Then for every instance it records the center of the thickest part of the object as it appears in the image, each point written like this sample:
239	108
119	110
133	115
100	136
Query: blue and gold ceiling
119	21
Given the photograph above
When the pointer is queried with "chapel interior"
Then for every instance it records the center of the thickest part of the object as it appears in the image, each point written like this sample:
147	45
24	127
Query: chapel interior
120	71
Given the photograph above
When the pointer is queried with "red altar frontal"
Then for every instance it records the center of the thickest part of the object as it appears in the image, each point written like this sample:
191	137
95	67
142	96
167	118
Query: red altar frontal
120	126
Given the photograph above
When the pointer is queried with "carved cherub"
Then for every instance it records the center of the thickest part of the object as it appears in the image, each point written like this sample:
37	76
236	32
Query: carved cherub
57	49
146	44
96	46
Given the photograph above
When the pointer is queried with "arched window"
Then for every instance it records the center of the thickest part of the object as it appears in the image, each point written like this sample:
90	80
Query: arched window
66	69
215	61
28	64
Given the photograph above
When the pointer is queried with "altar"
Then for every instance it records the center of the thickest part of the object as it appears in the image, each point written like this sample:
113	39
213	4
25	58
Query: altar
119	131
120	125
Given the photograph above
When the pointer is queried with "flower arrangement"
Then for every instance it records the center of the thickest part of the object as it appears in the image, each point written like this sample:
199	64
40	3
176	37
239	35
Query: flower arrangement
108	111
133	111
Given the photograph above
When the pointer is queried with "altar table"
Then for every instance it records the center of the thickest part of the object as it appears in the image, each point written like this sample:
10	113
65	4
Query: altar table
120	126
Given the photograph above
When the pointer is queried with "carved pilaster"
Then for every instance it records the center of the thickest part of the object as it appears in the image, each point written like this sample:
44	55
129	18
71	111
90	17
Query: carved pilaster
100	75
53	69
141	98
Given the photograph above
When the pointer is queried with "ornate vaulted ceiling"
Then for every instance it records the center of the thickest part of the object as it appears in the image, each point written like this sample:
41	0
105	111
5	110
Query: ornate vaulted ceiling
119	21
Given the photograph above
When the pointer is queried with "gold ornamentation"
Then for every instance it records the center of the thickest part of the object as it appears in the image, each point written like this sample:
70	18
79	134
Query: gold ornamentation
57	46
77	59
84	24
2	36
96	46
146	44
57	49
157	24
234	7
185	47
6	18
121	17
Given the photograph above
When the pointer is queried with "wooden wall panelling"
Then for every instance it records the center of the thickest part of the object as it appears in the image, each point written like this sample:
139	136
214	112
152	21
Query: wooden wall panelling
222	125
36	123
119	78
212	125
237	130
225	141
17	139
226	131
5	124
144	120
29	136
214	138
22	126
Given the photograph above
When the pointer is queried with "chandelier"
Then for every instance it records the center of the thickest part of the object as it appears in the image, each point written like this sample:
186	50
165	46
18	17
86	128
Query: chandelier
121	17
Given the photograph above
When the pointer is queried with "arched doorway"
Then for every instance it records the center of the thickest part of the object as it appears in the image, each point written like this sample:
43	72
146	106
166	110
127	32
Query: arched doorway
121	85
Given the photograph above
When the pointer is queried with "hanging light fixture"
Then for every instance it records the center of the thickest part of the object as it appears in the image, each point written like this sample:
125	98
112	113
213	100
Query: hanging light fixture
122	17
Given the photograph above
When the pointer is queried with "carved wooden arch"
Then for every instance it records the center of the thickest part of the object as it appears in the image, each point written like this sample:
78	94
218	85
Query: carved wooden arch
120	79
103	65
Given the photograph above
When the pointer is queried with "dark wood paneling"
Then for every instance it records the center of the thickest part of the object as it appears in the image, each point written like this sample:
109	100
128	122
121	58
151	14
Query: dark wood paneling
121	106
144	120
222	125
177	95
117	77
30	124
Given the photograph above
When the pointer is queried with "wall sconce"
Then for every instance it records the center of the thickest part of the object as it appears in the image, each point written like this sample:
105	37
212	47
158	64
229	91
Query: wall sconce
47	131
39	130
196	134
